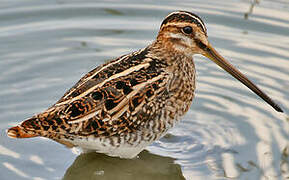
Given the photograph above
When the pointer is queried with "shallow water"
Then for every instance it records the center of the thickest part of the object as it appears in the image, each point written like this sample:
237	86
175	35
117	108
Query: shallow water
46	46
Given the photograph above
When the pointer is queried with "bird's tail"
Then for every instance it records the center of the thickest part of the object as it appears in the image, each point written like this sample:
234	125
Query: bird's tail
27	129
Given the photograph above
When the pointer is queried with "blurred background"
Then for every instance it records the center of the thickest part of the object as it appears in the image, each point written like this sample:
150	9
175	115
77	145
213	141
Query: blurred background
229	133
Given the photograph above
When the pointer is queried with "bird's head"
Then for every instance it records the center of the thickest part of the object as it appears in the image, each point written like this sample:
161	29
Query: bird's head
184	33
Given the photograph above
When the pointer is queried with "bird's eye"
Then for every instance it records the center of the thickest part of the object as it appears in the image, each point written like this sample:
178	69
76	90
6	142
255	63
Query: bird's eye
187	30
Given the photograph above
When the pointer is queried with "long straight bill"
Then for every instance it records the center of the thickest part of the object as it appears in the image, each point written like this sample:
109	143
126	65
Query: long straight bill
212	54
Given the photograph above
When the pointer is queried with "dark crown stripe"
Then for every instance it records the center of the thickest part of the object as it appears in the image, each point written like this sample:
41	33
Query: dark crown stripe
185	16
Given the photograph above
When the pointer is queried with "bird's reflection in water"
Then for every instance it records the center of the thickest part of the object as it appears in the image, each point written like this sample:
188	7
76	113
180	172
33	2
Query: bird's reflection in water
146	167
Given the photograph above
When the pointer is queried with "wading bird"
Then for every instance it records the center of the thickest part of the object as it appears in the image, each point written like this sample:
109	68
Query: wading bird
122	106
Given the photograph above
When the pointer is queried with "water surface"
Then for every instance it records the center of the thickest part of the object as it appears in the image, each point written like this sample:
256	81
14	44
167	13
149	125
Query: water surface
46	46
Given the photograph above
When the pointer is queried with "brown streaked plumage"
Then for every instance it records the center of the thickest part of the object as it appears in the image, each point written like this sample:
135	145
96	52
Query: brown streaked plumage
124	105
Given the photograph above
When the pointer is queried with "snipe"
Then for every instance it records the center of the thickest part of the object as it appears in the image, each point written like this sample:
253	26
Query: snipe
124	105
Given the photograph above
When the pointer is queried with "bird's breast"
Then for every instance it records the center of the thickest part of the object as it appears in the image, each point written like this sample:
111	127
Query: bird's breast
182	86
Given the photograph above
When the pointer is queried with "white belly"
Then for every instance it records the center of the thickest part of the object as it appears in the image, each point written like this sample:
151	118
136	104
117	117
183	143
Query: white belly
123	148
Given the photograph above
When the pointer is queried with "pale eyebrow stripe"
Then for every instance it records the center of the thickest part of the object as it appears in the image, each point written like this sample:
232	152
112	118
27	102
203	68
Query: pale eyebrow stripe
198	19
194	17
